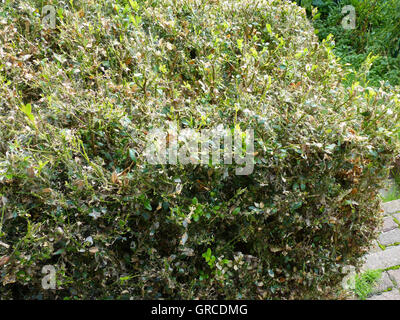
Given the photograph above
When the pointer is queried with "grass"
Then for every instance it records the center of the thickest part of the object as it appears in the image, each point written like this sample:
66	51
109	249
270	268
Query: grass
392	195
393	268
77	103
393	192
365	282
375	34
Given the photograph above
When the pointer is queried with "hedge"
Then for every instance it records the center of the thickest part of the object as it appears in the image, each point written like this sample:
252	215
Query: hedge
77	103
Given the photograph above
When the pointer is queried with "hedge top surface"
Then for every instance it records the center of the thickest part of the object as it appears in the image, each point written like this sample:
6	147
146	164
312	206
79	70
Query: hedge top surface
77	102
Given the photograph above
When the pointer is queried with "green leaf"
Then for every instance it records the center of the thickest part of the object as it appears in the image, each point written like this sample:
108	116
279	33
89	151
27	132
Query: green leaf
296	205
240	43
147	205
269	28
207	254
59	251
132	154
134	5
236	211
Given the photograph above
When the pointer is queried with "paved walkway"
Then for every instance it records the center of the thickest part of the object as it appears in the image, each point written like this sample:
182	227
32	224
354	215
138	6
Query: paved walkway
386	255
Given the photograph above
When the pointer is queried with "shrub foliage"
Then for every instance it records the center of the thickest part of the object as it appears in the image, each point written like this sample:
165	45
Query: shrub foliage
77	193
377	33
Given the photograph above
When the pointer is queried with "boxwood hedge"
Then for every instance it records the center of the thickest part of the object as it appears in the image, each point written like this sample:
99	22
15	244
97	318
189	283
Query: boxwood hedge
77	193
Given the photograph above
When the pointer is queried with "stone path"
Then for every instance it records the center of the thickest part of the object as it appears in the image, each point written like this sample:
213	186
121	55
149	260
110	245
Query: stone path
386	255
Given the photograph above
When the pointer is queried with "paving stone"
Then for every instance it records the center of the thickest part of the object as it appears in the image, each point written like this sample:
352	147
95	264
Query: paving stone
390	295
390	237
382	260
383	284
395	276
397	216
375	247
391	206
389	224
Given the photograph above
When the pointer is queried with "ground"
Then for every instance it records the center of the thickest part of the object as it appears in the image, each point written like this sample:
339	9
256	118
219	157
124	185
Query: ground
385	255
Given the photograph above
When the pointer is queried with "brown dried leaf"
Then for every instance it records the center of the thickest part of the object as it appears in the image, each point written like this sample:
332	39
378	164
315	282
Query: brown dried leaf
114	177
93	250
4	260
31	172
10	278
80	184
